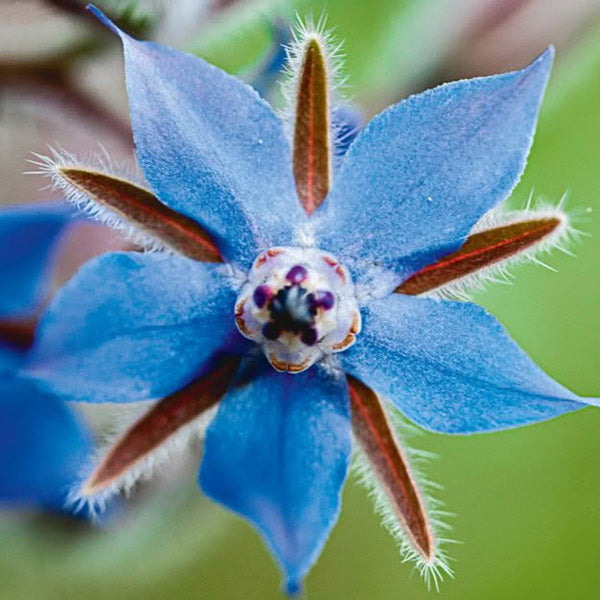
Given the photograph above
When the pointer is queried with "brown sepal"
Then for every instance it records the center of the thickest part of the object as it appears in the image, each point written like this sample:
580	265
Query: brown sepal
162	421
376	437
480	250
312	150
144	211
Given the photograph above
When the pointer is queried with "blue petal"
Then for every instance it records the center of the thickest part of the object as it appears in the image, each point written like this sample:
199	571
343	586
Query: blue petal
27	238
211	148
422	173
348	121
451	367
42	447
132	326
277	453
10	360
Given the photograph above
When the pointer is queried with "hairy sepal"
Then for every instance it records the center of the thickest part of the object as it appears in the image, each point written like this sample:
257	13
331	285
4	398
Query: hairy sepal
312	140
499	241
384	467
312	78
128	207
165	429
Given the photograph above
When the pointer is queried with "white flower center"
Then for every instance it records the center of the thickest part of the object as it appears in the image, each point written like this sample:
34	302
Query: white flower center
298	305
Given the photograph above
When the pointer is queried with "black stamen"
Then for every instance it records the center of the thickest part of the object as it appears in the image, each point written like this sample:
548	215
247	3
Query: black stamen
309	336
292	308
271	330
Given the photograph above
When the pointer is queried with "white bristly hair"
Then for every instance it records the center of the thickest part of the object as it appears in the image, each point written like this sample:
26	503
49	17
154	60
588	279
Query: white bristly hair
560	239
142	470
50	166
434	570
305	31
382	280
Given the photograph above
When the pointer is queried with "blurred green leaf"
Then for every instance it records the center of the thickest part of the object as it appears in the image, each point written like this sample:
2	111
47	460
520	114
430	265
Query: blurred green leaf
238	39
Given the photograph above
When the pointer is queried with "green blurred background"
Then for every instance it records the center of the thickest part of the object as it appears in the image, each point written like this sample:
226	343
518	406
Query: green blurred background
527	502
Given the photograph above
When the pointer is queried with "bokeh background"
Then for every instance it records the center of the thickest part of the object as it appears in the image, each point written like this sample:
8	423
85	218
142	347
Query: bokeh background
526	502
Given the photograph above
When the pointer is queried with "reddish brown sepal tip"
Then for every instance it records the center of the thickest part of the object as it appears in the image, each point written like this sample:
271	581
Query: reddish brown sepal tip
145	211
312	151
376	437
160	423
479	251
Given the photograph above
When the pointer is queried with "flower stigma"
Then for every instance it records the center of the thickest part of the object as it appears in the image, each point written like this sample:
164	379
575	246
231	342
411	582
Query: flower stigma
299	305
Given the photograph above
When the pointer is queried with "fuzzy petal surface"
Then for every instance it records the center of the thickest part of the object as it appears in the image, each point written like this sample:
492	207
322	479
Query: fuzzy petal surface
134	326
451	367
28	234
211	148
42	447
423	172
348	121
277	453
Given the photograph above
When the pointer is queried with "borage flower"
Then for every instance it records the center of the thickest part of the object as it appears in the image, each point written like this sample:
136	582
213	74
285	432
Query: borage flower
42	445
289	296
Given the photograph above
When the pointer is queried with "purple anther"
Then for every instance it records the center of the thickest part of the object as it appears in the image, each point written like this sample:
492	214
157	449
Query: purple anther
309	336
325	299
271	330
261	295
297	274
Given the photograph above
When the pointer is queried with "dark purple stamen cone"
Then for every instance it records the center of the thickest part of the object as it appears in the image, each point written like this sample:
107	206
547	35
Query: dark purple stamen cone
297	274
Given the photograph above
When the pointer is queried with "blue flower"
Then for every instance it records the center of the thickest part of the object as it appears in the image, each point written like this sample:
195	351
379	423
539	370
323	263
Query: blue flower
42	446
291	291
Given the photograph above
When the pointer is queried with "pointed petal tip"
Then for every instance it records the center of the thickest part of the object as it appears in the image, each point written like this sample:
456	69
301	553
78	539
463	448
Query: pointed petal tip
542	63
104	19
547	55
293	587
295	507
590	401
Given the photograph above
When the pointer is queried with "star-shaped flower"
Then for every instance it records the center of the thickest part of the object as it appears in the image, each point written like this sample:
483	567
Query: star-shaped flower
289	296
42	445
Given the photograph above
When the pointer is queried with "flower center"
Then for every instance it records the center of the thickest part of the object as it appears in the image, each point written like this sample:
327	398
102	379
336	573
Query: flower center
298	305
